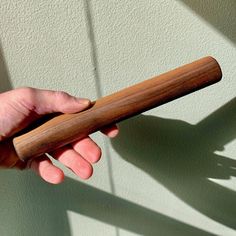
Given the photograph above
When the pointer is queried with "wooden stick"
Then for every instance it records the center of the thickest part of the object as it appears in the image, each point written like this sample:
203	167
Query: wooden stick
66	128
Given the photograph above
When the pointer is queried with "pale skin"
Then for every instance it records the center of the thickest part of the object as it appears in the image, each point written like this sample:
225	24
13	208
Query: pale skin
20	107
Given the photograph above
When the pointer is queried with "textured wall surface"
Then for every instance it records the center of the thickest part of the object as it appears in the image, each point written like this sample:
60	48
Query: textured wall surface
172	170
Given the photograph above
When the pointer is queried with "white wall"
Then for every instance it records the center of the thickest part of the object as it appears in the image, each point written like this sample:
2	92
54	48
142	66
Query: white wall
172	170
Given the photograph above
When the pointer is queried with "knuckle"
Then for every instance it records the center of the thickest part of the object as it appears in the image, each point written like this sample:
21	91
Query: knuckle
62	95
27	91
27	97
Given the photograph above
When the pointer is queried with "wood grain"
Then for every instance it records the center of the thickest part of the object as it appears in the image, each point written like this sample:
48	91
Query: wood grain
121	105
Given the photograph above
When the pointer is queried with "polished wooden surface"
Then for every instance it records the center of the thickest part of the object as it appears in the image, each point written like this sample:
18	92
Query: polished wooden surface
121	105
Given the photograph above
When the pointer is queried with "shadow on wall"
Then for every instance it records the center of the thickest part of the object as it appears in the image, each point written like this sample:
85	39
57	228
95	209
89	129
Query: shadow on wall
5	83
181	157
219	13
41	209
177	154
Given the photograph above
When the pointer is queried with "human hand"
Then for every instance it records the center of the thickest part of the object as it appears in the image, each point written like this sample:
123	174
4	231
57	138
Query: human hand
20	107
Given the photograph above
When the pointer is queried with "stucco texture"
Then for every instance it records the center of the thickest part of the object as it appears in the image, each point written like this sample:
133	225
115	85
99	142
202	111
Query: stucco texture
172	169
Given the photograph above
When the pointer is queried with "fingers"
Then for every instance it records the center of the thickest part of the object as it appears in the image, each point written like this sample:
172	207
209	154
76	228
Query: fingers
44	168
111	131
88	149
79	158
74	161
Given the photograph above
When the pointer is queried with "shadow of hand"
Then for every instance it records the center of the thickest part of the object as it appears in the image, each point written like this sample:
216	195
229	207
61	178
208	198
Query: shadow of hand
181	157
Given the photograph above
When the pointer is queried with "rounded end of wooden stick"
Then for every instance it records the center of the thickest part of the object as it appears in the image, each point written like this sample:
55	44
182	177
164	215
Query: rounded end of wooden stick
9	158
217	67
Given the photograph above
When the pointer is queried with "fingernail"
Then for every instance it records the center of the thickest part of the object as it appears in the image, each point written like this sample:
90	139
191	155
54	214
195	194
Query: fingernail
84	101
113	133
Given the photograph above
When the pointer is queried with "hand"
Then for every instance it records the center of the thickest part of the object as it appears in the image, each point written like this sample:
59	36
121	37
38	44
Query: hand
20	107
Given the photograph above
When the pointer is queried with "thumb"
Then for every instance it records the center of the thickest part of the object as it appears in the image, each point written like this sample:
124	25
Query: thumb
47	101
22	106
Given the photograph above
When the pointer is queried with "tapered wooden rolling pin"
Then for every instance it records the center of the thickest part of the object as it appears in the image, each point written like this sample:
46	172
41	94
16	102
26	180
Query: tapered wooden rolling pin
66	128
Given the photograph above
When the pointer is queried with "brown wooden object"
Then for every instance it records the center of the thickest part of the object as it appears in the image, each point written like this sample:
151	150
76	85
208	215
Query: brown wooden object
66	128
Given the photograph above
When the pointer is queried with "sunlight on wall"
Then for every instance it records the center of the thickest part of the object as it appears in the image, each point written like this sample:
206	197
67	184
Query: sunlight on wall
87	225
